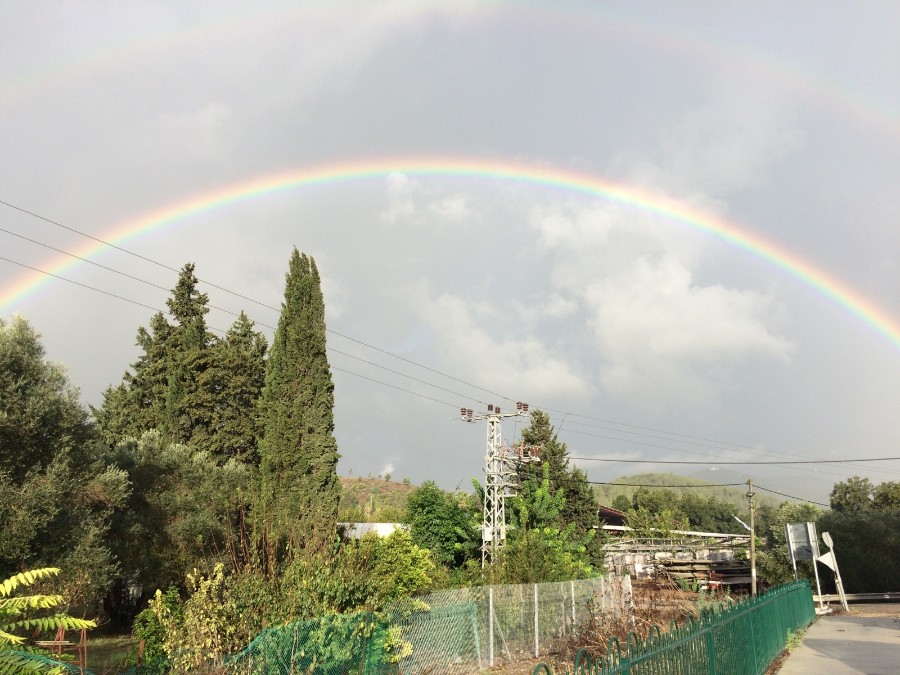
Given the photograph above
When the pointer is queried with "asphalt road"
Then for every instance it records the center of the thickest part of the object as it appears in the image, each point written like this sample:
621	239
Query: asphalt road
865	641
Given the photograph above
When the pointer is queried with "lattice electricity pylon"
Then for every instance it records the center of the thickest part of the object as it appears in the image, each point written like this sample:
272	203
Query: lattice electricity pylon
500	476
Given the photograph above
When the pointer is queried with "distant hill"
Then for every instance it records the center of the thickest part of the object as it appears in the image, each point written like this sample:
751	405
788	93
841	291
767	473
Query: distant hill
607	493
373	500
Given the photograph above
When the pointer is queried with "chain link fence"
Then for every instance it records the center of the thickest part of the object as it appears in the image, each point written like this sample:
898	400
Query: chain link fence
468	629
456	631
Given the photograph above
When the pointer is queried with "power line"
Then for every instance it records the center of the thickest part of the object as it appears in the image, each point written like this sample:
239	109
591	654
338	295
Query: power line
694	440
714	459
782	494
230	292
78	283
221	309
742	463
397	372
393	386
127	251
649	485
584	433
156	309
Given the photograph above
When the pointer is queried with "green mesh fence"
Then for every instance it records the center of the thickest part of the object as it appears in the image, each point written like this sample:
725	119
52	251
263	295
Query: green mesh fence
338	644
465	630
741	639
453	631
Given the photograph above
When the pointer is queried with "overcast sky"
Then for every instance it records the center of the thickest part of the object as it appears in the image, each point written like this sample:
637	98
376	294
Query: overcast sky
660	341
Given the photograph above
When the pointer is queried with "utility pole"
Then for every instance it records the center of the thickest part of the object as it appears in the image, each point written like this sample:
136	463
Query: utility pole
750	494
500	464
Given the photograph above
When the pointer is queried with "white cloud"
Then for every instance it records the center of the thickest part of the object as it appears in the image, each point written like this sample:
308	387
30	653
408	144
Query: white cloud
400	189
410	202
471	339
657	328
658	333
451	209
550	306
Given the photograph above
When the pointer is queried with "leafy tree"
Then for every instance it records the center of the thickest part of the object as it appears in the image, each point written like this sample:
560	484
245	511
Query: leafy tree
39	411
867	546
853	495
772	558
539	547
57	491
298	453
886	496
579	506
657	523
16	616
441	524
184	511
656	501
621	503
709	514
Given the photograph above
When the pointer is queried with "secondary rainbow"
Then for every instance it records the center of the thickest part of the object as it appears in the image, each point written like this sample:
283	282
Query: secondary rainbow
564	179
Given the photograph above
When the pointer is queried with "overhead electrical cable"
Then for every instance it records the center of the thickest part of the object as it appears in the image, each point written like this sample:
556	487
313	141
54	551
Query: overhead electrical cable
393	386
128	252
782	494
696	440
78	283
739	463
220	330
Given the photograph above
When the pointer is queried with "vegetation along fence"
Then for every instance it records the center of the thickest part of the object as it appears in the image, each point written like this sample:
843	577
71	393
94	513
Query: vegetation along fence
334	644
468	629
739	639
451	631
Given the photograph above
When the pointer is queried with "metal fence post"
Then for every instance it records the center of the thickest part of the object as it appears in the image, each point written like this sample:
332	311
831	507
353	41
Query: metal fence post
573	604
491	626
537	650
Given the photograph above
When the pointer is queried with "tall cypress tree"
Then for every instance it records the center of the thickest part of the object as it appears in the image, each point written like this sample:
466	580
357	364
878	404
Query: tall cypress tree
299	488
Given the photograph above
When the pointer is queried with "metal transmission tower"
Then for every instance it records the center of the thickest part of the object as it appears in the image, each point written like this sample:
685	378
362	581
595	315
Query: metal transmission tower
500	476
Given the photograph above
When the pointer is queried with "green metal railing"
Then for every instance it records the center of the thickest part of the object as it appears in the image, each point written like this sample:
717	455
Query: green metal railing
740	639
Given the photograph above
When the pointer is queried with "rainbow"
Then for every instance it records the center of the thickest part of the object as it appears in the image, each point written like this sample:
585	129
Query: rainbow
542	176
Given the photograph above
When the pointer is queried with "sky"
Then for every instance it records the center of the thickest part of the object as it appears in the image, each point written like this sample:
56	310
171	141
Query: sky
672	225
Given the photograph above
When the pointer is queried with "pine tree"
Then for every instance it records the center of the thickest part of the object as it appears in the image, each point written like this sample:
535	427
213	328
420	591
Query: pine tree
231	389
186	418
164	391
580	507
299	488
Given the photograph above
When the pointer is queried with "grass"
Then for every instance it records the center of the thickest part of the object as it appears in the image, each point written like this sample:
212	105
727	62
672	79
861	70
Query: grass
106	655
